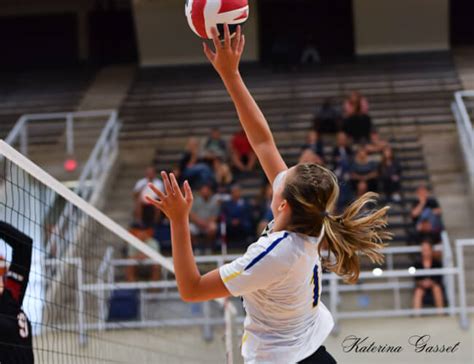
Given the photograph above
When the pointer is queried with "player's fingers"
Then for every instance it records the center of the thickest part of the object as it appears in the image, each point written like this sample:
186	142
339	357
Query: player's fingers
226	37
188	193
175	185
154	202
208	52
242	45
167	183
157	191
215	39
237	38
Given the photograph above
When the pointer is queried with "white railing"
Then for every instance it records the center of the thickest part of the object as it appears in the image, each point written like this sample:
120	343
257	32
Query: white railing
466	131
100	161
389	280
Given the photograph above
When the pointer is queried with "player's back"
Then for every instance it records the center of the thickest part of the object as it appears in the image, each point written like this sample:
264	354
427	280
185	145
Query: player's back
280	281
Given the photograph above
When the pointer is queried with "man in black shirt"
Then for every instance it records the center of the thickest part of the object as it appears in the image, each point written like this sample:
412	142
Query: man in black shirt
424	201
15	328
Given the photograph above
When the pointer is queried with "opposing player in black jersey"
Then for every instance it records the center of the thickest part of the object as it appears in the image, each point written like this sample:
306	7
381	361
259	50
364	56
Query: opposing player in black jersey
15	328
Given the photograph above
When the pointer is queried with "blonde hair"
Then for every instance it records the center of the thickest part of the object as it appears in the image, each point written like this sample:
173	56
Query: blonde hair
312	192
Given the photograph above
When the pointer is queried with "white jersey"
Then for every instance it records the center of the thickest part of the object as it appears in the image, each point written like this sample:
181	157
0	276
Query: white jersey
279	278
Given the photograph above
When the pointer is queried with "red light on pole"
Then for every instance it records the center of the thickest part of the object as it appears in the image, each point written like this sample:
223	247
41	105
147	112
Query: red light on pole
70	165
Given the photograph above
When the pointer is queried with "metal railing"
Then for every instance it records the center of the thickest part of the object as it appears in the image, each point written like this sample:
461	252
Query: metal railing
389	280
101	159
465	130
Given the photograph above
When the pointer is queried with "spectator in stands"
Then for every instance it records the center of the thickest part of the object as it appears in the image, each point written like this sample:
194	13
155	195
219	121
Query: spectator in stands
145	213
355	104
242	154
204	217
342	152
376	145
215	146
426	202
310	53
364	172
191	155
145	235
428	284
237	214
265	210
193	167
390	175
309	156
328	118
314	143
223	175
357	122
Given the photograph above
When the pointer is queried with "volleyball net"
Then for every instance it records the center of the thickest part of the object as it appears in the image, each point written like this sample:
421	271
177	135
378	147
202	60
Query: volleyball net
81	305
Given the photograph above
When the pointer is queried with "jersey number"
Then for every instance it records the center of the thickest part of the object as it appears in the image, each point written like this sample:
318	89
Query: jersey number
23	325
315	282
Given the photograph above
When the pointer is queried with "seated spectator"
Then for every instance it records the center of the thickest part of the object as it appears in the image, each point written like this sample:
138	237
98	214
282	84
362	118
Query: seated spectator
193	167
328	118
390	174
342	151
357	123
237	214
309	156
429	226
426	201
223	175
428	284
376	145
242	154
145	235
215	146
265	209
364	172
310	53
144	212
355	104
314	143
204	217
191	155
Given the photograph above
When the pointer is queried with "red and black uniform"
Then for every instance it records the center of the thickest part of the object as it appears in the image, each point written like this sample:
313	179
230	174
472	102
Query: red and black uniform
15	328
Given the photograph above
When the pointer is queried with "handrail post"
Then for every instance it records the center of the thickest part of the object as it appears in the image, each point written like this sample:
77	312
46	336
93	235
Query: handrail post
463	319
70	134
448	280
24	139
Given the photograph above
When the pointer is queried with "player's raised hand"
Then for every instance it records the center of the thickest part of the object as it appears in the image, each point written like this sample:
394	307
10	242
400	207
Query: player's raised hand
172	202
227	54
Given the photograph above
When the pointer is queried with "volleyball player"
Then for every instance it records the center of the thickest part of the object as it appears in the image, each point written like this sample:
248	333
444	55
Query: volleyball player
15	328
279	277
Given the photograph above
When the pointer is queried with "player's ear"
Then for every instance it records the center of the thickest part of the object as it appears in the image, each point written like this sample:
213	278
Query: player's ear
283	205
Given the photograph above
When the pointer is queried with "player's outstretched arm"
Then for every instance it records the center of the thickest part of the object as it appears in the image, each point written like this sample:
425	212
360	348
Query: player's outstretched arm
191	285
226	59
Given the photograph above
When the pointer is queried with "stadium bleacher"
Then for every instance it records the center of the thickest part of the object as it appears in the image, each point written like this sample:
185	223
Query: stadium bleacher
166	106
41	91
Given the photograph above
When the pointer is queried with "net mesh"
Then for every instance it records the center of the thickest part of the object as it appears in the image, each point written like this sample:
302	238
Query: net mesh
71	322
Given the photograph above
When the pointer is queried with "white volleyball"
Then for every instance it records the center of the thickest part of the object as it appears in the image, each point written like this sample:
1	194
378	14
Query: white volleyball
203	15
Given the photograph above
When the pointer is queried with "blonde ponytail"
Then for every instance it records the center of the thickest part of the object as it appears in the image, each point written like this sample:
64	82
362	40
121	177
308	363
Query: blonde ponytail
312	192
356	231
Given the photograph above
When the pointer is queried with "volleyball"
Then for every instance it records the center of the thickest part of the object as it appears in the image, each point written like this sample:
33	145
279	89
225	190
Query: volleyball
203	15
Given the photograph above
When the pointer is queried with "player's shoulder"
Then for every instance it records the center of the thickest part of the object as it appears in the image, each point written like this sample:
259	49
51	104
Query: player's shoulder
284	245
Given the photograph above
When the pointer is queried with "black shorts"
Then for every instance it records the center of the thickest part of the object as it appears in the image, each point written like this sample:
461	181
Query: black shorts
321	356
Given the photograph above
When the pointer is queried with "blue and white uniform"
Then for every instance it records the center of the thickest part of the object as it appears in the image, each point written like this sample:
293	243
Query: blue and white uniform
279	278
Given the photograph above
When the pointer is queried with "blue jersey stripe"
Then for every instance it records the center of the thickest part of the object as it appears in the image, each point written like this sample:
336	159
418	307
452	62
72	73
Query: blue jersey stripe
316	286
268	250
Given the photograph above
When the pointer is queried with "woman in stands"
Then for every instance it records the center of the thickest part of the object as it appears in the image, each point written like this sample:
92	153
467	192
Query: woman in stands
279	277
